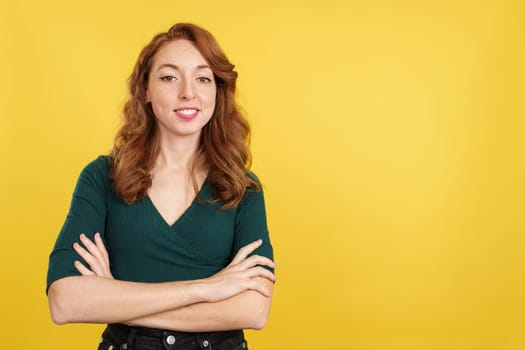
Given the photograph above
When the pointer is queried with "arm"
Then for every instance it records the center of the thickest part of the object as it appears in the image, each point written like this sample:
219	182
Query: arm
97	297
99	300
246	310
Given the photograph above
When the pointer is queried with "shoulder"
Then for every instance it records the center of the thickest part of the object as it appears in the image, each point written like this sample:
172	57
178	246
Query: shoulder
96	174
98	166
251	176
254	192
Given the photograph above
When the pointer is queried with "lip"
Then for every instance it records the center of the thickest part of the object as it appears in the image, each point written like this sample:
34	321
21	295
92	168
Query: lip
187	113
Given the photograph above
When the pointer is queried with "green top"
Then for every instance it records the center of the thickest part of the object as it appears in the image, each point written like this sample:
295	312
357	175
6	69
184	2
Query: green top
142	246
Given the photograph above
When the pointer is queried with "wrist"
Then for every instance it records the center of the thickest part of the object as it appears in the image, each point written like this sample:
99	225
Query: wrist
200	290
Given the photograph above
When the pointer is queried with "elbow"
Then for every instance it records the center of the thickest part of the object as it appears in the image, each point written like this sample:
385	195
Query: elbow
57	317
259	308
260	315
259	323
57	308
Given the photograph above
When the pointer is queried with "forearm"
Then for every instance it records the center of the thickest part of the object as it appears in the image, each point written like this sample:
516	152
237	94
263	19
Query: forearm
98	298
249	309
102	300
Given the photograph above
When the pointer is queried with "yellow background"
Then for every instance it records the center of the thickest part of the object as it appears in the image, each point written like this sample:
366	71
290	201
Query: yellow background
388	134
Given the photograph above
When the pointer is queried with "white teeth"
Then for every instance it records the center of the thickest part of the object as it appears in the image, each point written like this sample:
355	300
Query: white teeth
187	111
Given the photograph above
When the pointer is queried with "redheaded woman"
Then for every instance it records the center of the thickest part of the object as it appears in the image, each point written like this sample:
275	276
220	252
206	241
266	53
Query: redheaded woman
166	238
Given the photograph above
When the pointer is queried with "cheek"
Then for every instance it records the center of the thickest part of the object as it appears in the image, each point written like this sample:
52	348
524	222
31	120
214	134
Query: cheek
161	97
207	97
161	104
212	102
212	98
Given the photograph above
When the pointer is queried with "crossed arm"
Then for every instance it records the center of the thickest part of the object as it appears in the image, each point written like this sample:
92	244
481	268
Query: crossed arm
239	296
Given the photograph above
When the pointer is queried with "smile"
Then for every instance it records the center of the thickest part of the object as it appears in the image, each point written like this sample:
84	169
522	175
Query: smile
187	113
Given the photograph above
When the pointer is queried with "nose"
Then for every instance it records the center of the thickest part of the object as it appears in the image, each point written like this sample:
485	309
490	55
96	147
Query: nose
186	91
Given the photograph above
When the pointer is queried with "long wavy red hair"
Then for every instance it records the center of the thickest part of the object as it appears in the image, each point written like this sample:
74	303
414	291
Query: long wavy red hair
223	149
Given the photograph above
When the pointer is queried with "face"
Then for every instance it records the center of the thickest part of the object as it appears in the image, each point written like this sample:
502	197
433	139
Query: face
181	89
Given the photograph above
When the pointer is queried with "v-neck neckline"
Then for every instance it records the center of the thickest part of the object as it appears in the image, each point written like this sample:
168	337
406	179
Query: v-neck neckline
184	213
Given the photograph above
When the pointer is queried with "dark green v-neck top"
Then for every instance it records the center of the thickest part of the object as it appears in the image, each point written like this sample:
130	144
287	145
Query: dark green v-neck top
142	246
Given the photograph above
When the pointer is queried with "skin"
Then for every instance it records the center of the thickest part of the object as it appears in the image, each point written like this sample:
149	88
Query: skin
209	316
180	78
182	93
95	297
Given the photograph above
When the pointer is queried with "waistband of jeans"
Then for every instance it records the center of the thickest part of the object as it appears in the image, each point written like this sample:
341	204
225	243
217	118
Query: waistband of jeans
124	330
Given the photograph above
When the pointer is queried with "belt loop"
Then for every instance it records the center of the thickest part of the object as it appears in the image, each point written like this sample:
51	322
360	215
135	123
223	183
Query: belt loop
129	342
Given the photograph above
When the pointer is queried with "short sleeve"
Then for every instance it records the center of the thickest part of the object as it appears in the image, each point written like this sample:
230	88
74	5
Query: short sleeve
251	225
87	214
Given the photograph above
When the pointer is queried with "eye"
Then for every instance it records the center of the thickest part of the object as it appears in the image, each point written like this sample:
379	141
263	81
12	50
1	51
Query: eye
204	79
168	78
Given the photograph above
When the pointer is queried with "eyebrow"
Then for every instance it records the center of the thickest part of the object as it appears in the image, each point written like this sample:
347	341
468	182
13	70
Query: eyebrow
169	65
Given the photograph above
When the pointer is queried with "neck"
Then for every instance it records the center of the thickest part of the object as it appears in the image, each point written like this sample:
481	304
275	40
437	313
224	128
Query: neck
177	153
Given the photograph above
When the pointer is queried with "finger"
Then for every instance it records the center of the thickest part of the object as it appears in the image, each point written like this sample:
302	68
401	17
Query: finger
259	287
100	244
261	272
92	261
245	251
255	260
95	252
90	246
84	271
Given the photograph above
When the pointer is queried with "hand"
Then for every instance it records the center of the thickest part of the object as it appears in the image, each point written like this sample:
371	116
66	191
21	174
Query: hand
240	275
95	254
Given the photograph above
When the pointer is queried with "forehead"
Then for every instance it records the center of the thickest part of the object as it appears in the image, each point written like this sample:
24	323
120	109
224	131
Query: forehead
181	53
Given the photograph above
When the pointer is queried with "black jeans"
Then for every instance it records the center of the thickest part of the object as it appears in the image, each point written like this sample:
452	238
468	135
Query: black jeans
122	337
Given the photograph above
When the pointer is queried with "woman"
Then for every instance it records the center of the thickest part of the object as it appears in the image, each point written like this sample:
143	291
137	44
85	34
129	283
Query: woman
173	210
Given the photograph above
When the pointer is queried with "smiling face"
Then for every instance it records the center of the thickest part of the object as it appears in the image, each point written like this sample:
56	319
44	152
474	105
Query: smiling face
181	89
